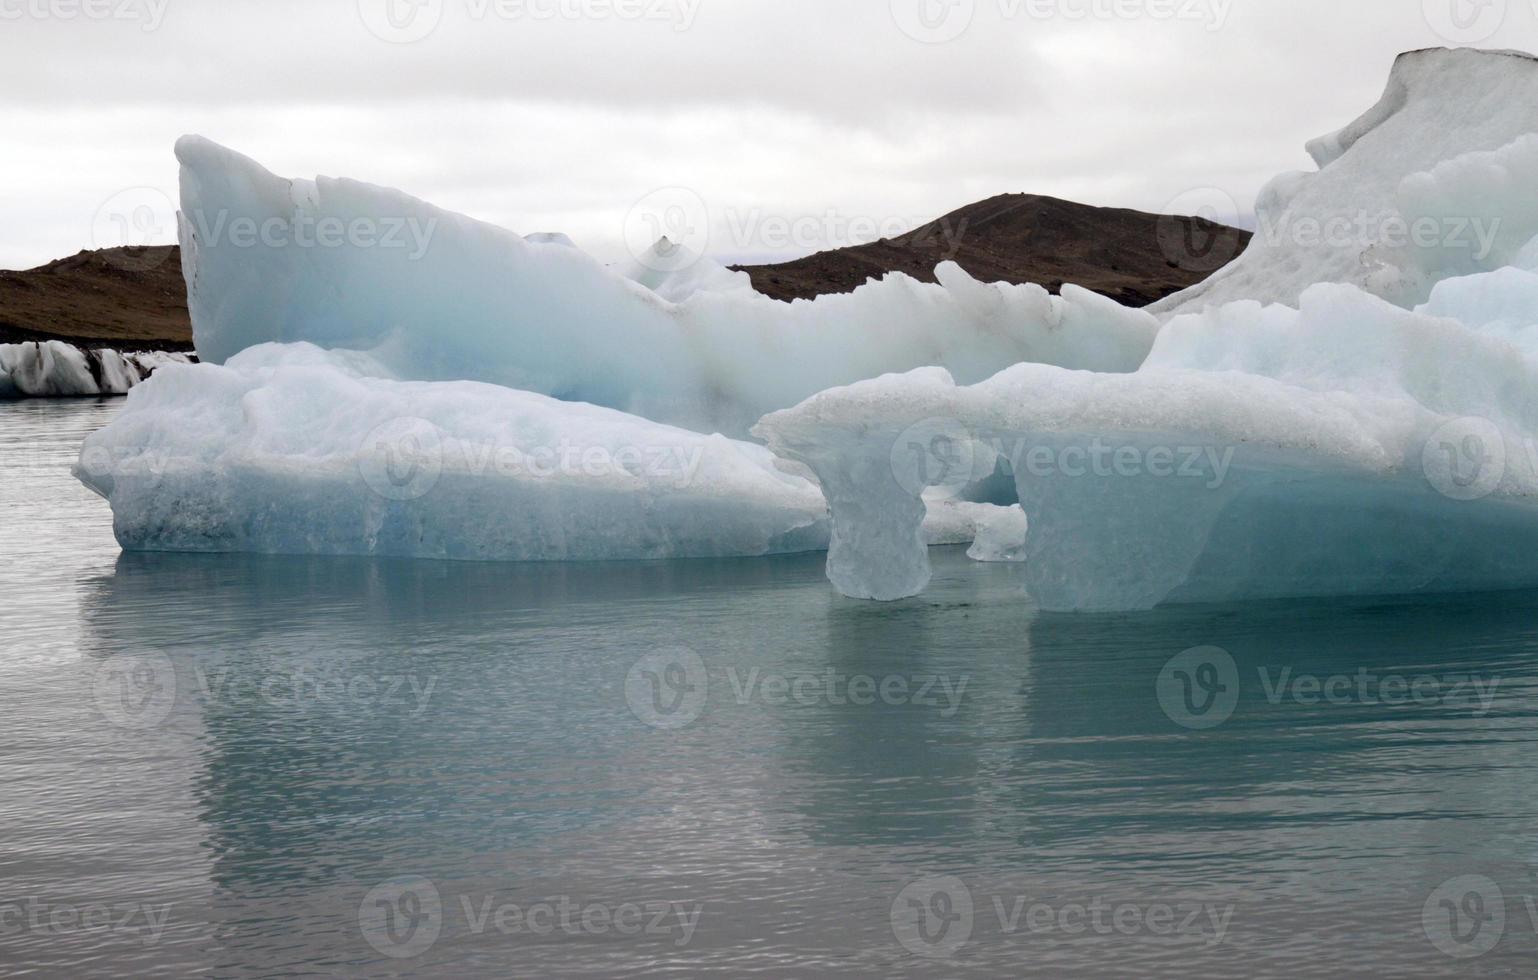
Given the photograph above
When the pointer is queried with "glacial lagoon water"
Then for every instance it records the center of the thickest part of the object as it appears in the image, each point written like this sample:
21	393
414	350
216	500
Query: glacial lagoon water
240	766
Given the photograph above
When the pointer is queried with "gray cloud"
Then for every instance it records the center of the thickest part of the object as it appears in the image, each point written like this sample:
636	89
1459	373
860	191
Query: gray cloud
772	107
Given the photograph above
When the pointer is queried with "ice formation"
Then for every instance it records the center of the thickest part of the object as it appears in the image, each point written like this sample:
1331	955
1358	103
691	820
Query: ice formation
1001	535
53	368
439	296
1347	446
1346	409
1433	181
1342	444
289	449
675	272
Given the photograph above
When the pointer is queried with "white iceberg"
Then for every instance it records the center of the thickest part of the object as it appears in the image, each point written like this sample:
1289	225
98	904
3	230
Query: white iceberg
1374	435
437	296
55	369
1433	181
1345	447
289	449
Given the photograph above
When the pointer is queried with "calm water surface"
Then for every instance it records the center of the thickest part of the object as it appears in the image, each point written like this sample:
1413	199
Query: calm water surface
241	767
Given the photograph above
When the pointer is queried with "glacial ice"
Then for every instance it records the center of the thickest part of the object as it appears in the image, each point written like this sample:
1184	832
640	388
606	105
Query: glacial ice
1347	446
1434	181
437	296
289	449
1312	420
1322	417
55	369
1001	536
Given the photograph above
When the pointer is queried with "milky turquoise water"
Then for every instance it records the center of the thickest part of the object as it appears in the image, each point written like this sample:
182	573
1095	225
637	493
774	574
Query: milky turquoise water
241	767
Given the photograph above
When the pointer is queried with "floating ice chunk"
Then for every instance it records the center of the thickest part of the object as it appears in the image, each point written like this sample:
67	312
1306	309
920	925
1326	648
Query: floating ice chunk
1431	182
1001	536
439	296
1346	447
550	238
288	449
53	368
675	273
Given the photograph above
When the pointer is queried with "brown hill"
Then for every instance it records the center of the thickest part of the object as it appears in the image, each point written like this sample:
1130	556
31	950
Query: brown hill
129	299
1132	256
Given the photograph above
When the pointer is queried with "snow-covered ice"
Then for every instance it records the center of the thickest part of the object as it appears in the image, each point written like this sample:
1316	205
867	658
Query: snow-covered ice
438	296
55	369
290	449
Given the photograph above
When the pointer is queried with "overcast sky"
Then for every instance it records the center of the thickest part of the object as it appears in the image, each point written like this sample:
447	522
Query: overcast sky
795	124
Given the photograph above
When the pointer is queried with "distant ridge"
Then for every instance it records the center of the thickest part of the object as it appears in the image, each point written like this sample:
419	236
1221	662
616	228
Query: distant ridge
128	299
1133	257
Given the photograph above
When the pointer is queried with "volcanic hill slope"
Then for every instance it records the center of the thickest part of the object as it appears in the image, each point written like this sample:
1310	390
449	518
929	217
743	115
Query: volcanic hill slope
1134	257
128	299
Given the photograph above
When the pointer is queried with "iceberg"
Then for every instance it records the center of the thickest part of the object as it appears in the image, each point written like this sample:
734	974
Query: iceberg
1315	419
436	296
289	449
1434	181
1344	447
1347	409
55	369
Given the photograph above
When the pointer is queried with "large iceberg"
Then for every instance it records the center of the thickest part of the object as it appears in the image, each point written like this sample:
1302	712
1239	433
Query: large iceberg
289	449
438	296
1347	409
1339	444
